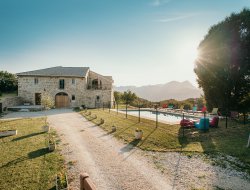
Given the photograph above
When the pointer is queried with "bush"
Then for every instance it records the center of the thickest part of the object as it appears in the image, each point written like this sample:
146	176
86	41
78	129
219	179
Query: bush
76	109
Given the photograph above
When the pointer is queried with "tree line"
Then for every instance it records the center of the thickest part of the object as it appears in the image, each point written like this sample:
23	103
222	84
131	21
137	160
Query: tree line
8	82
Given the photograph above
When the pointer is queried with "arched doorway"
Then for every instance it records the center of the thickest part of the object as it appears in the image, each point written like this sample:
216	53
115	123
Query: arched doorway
62	100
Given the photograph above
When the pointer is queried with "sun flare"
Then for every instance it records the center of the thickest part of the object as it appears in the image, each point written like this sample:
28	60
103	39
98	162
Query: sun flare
188	53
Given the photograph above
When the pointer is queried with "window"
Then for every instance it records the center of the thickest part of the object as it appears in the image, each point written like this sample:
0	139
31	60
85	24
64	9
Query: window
73	81
61	84
97	98
73	97
36	80
95	84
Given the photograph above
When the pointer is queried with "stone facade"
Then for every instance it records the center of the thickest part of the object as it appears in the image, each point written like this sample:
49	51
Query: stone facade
91	91
11	101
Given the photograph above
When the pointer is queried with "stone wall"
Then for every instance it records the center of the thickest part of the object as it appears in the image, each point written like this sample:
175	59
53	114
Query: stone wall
11	101
83	95
104	82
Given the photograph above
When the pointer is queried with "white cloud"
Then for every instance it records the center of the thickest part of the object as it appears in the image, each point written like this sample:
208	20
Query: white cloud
171	19
157	3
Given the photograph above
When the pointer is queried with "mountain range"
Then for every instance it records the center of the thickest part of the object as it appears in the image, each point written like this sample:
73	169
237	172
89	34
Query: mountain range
171	90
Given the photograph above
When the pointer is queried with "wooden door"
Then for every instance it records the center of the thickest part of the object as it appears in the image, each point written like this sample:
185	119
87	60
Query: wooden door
62	101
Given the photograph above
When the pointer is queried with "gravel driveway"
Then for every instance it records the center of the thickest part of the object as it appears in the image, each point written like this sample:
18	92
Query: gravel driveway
113	165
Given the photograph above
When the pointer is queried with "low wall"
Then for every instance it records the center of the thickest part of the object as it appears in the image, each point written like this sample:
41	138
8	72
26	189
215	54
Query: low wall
11	101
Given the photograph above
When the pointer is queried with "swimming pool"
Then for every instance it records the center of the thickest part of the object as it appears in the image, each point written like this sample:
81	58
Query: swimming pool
165	117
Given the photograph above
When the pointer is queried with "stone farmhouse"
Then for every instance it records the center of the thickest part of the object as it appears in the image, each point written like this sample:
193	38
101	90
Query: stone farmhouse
67	87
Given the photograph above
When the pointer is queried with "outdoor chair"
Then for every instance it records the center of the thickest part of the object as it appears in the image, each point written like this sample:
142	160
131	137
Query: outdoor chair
203	124
186	123
204	109
214	111
214	122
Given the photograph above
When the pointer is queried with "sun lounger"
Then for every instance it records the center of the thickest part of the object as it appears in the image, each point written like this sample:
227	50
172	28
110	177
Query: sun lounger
203	124
214	122
214	111
187	123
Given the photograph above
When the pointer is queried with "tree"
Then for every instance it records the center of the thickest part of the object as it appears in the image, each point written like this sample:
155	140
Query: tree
223	65
129	97
47	101
118	96
8	82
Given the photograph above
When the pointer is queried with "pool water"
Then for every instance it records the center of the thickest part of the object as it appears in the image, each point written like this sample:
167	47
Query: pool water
172	118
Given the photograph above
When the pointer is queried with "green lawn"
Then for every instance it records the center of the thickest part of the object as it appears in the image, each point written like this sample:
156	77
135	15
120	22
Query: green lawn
25	162
231	141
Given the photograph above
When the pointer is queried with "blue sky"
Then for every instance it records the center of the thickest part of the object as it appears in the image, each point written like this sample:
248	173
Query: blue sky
138	42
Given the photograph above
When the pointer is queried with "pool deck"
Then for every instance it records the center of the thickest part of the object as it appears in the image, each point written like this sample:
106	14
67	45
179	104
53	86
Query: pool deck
193	116
171	112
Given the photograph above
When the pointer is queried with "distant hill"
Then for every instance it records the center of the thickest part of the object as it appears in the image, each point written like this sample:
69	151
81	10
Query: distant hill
173	89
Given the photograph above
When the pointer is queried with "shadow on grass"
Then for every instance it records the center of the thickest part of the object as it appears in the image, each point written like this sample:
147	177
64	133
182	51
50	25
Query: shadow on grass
27	136
194	135
31	155
130	146
144	139
37	153
135	143
120	132
14	162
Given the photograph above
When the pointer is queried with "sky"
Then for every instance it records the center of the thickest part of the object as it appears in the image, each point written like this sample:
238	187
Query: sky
138	42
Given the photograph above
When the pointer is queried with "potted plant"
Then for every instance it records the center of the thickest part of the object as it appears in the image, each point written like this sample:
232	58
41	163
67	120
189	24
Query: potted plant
101	121
61	181
52	144
113	128
46	127
138	134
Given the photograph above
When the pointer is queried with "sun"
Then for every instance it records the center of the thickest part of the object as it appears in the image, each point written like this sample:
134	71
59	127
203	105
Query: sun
188	53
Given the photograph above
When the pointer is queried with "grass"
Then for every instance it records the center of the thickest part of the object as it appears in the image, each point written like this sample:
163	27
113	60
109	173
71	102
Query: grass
25	162
229	141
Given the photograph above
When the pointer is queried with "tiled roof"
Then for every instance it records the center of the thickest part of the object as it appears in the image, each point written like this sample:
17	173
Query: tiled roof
58	71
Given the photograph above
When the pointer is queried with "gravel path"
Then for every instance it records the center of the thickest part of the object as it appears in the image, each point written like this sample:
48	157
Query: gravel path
111	164
114	165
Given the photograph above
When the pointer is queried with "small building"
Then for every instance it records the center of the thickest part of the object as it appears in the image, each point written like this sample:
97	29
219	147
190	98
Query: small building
67	87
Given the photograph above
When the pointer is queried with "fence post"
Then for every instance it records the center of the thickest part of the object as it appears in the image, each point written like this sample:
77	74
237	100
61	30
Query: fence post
205	121
139	113
86	183
183	126
226	120
248	143
244	117
156	112
126	110
117	108
109	106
